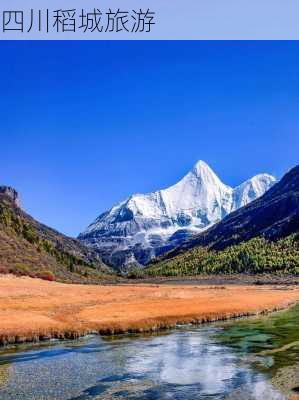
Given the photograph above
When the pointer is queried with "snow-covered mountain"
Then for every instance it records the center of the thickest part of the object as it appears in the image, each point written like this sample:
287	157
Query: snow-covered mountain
147	225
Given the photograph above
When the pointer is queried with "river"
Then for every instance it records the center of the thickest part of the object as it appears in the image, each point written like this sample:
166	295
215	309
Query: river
254	358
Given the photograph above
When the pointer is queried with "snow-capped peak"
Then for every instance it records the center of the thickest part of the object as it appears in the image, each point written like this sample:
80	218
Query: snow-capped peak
144	224
205	174
201	167
251	189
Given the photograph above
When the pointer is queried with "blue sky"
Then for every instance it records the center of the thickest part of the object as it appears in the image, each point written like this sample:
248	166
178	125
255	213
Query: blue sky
85	124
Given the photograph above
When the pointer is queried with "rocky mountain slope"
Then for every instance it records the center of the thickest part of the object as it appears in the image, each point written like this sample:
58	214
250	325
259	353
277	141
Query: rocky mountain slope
272	216
30	248
262	236
147	225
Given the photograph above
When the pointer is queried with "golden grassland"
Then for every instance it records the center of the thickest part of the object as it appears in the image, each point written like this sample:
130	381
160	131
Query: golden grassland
34	309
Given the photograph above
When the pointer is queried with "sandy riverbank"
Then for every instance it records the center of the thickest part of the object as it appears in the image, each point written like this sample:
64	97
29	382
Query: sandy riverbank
32	309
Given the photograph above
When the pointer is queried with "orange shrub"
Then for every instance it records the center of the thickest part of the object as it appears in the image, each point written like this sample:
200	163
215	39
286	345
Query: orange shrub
46	275
3	270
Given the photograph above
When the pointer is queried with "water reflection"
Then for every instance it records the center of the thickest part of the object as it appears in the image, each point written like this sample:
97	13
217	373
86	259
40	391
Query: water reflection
271	344
196	360
185	358
229	361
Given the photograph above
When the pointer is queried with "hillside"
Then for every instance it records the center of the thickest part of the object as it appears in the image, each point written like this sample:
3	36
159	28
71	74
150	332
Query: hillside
28	247
255	256
260	237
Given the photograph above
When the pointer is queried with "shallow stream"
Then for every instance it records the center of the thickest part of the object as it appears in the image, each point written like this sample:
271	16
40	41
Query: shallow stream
255	358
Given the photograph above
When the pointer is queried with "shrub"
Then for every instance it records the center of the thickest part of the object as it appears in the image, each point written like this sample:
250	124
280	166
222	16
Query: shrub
135	273
3	270
32	275
46	276
20	270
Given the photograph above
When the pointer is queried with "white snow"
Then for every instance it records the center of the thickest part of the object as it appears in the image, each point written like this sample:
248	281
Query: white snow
196	202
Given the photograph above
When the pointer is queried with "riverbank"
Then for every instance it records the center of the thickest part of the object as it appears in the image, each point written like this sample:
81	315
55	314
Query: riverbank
33	310
224	279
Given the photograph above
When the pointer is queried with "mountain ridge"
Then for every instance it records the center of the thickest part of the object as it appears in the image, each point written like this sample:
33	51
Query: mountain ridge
269	224
146	225
28	247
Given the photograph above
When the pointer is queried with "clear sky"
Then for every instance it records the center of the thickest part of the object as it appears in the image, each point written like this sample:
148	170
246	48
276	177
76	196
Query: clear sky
85	124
